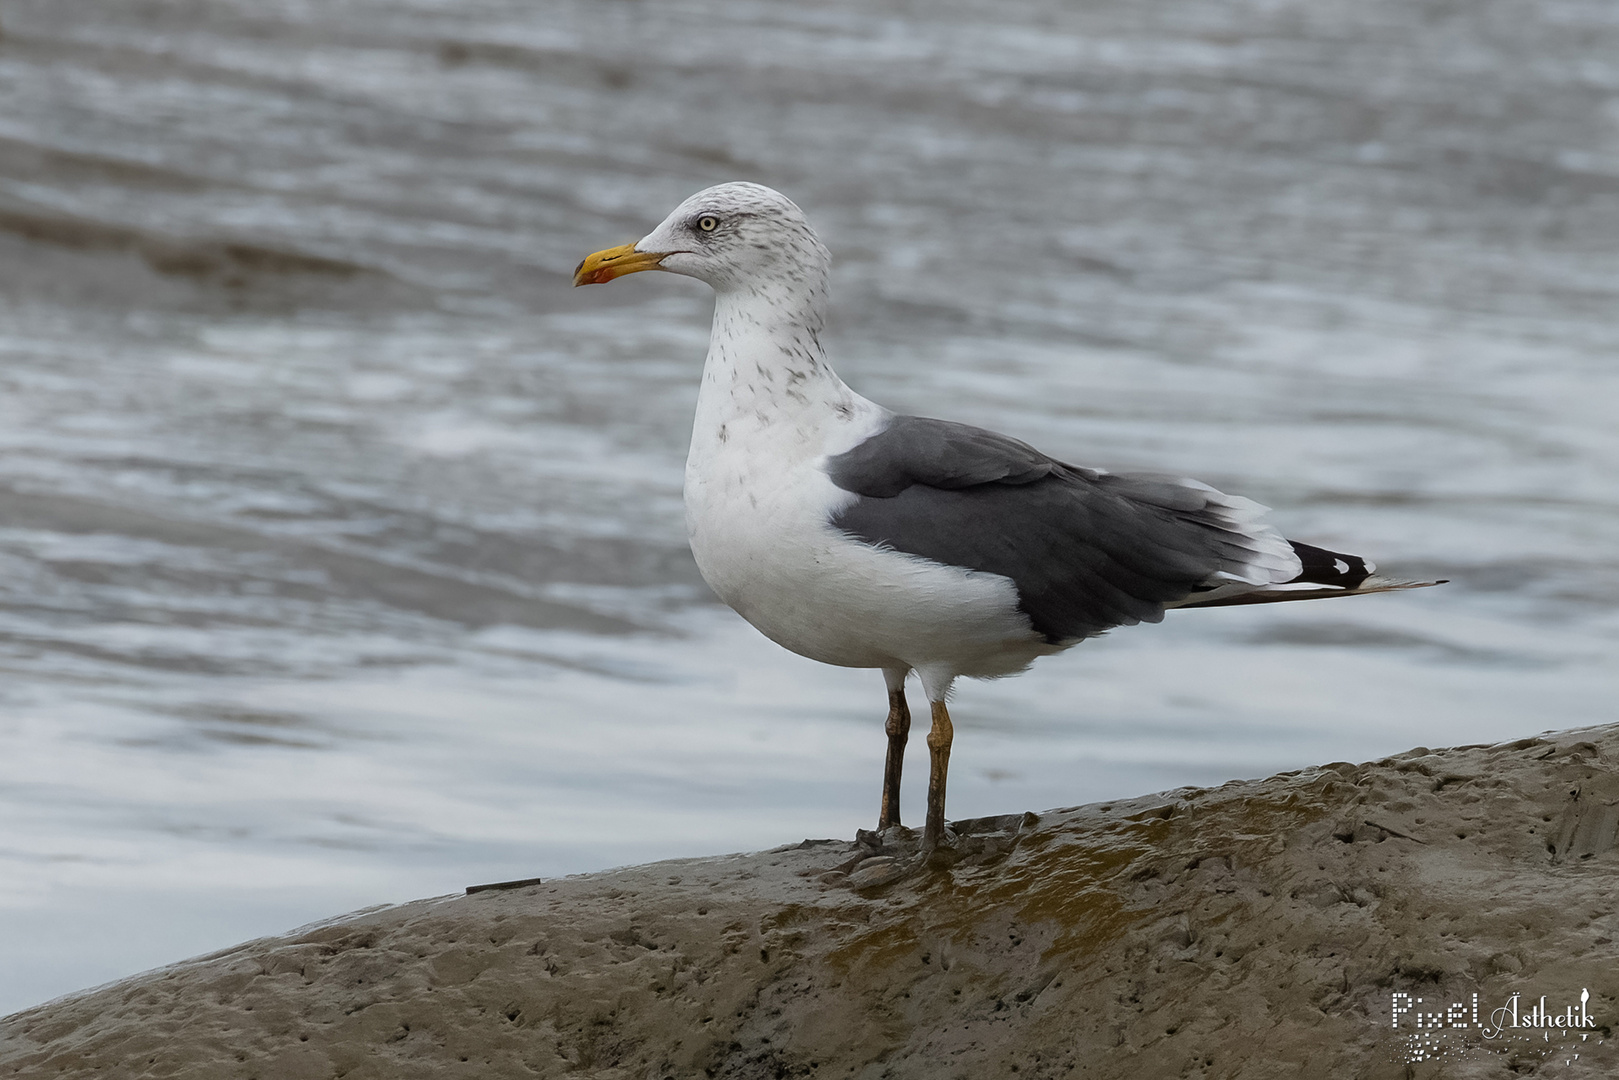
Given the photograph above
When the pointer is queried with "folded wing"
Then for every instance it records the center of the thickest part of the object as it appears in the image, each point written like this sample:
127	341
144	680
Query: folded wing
1086	550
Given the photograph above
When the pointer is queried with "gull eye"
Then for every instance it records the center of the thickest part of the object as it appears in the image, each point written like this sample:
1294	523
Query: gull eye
708	223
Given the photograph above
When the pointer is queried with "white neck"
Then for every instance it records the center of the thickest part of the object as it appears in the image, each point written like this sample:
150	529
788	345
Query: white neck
765	364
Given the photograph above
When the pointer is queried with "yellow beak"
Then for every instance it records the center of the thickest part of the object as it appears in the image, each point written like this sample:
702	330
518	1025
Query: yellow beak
604	266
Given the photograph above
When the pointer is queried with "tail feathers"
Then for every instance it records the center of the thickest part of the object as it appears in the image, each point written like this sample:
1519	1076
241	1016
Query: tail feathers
1274	594
1325	573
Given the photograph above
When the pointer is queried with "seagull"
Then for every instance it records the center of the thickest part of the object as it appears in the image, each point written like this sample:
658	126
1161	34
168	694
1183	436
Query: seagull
865	538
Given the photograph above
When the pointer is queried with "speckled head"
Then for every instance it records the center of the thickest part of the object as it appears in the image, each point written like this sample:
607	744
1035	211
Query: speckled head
737	237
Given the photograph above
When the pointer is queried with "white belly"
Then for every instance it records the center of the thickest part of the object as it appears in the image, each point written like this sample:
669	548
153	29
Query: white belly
758	524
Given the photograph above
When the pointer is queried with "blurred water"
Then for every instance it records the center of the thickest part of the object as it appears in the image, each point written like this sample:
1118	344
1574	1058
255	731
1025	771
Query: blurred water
341	552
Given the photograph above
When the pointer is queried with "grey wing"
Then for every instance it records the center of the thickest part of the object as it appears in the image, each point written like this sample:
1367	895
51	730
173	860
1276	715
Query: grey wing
938	454
1086	550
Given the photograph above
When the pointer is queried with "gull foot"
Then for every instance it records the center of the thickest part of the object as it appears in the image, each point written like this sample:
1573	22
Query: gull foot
943	854
880	858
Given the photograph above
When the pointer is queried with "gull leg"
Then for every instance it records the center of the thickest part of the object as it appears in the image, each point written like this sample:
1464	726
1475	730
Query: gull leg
898	728
939	739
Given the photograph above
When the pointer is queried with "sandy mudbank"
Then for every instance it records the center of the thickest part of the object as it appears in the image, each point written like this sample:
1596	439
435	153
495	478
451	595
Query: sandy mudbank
1262	928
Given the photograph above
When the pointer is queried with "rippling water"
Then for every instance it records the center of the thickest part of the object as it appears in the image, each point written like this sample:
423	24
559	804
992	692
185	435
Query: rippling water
341	552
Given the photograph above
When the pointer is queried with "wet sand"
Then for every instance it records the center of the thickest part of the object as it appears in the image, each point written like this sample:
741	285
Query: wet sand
1260	928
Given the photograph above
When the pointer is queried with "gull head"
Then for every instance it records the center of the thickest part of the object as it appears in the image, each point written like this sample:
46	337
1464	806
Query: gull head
737	237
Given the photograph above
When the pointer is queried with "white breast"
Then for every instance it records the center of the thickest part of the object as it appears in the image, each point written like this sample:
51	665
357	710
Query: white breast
758	507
